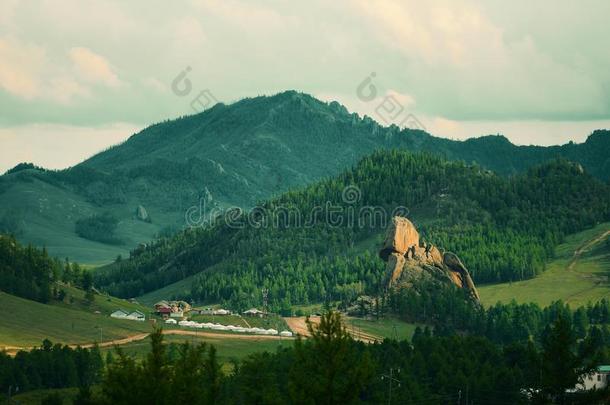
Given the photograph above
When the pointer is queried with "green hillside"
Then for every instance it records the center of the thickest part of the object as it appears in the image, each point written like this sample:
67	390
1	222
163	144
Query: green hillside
579	274
27	323
503	228
229	155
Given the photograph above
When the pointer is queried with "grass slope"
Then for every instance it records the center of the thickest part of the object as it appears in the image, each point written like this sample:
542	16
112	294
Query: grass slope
390	328
27	323
580	273
228	349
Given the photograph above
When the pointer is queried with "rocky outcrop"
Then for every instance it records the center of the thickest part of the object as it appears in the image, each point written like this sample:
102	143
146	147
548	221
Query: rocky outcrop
410	260
400	237
142	214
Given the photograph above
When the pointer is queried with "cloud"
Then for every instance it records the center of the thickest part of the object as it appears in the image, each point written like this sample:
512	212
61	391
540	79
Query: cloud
93	68
20	67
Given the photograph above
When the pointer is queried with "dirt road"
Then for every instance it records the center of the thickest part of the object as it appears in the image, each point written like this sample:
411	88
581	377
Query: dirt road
590	243
299	326
12	350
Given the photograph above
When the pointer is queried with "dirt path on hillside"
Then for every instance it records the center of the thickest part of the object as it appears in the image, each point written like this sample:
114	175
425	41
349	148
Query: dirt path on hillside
571	266
590	243
299	326
12	350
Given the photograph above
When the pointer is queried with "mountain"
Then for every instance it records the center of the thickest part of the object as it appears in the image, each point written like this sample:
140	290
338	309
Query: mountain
321	242
229	155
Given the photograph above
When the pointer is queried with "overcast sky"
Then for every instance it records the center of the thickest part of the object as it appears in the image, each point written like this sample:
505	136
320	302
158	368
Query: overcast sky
77	76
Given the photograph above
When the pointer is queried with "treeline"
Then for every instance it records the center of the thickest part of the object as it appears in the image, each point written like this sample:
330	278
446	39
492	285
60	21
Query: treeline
50	366
31	273
26	271
331	368
100	228
448	310
503	228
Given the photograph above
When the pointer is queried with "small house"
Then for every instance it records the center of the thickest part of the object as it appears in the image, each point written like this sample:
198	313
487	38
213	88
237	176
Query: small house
176	314
136	316
119	314
598	379
254	312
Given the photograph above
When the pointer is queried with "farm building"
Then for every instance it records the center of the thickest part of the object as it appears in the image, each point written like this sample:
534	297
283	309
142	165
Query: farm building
136	316
133	316
119	314
254	312
171	321
174	309
599	379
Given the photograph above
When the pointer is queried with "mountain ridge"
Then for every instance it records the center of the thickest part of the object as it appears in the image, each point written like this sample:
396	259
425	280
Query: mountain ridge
241	154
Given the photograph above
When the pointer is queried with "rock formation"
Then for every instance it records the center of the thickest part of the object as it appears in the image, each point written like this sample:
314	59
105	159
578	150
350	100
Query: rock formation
409	260
142	214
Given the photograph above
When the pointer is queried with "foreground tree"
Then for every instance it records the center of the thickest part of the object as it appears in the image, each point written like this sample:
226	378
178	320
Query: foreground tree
330	368
561	367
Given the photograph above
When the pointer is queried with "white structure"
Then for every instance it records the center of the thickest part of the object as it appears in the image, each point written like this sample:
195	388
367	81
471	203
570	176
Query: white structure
119	314
171	321
599	379
177	314
254	312
136	316
286	333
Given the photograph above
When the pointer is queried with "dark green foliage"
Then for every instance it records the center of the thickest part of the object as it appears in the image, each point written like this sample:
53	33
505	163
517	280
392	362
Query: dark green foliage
24	166
330	368
448	310
30	273
561	366
99	228
193	377
503	229
50	366
26	271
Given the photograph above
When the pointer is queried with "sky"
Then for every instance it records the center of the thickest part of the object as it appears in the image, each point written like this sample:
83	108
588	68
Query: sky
77	77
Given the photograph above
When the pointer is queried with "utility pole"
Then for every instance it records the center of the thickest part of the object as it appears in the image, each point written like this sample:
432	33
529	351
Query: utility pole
391	379
459	397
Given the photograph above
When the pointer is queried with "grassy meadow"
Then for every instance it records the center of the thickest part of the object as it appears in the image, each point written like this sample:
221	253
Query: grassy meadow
28	323
579	273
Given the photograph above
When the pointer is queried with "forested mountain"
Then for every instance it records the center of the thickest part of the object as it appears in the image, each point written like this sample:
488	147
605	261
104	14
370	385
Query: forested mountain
503	228
236	154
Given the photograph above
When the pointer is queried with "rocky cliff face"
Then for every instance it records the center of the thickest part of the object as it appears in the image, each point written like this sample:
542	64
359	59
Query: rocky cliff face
410	260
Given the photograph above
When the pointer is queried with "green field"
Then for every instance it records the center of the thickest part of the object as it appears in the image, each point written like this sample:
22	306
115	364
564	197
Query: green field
390	328
228	346
579	273
27	323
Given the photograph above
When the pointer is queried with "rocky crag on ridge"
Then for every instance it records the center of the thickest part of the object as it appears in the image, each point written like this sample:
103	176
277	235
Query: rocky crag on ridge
410	260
